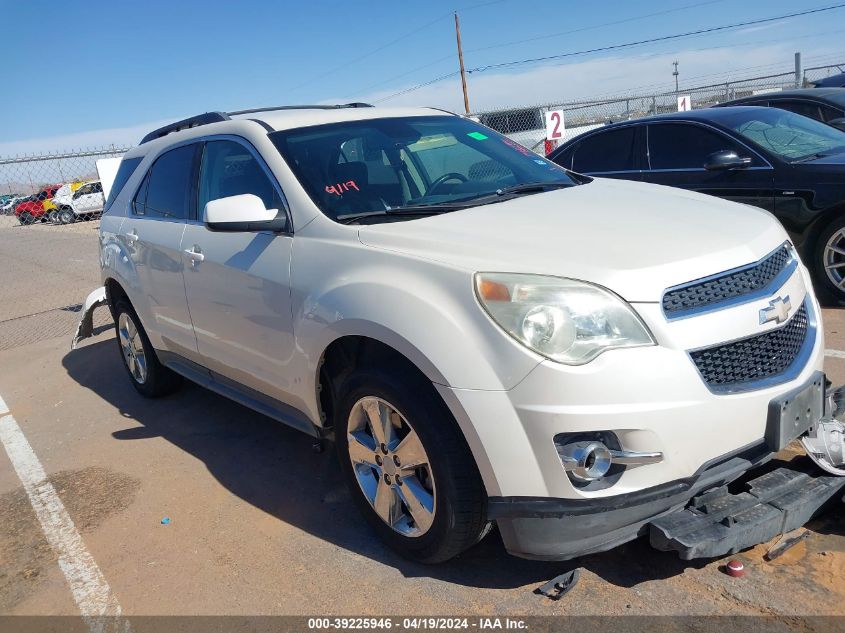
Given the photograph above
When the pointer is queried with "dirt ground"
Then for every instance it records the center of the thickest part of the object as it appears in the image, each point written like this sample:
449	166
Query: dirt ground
259	524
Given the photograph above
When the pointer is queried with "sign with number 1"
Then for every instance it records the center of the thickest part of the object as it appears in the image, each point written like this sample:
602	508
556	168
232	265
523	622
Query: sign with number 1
554	125
684	103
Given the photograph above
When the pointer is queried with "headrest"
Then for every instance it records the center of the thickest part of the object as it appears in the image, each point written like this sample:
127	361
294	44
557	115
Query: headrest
354	171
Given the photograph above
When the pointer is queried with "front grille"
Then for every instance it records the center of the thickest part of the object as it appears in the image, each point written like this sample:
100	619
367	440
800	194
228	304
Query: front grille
725	287
740	363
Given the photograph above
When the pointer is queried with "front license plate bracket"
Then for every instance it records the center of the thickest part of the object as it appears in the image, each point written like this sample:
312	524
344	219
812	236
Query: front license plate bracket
793	413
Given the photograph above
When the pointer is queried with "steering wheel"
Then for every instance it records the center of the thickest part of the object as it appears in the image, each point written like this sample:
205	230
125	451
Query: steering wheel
445	178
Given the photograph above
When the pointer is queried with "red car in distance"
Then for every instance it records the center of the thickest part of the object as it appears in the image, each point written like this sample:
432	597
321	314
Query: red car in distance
31	209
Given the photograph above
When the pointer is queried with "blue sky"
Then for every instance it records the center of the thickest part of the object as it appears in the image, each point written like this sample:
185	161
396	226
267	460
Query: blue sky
119	66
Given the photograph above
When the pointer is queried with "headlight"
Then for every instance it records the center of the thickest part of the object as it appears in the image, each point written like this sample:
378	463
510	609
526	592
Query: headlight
565	320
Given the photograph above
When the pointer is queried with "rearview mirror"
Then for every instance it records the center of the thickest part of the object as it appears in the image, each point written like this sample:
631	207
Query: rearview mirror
838	123
726	159
245	212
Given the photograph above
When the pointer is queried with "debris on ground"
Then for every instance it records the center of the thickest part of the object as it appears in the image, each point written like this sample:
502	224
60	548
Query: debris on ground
735	569
165	521
785	543
559	586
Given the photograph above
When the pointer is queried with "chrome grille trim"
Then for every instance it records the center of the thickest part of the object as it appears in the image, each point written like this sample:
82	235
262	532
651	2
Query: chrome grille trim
731	287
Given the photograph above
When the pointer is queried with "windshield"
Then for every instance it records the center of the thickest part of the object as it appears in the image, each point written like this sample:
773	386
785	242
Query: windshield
387	164
790	136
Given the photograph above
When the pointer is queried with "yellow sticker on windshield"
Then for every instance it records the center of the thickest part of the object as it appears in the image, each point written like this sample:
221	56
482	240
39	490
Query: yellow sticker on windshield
478	136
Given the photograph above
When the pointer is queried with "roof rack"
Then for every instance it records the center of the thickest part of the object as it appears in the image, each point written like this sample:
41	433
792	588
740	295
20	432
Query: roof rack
216	117
303	107
184	124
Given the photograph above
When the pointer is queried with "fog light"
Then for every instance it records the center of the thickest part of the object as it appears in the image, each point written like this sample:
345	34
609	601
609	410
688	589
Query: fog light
585	461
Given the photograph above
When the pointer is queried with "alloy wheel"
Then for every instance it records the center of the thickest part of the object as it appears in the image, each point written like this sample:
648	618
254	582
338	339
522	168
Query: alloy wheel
391	466
132	347
834	259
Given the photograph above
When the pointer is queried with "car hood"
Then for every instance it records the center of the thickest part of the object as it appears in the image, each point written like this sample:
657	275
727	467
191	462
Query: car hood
635	239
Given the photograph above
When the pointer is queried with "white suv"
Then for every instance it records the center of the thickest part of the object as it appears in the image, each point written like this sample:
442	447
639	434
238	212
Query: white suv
487	336
85	202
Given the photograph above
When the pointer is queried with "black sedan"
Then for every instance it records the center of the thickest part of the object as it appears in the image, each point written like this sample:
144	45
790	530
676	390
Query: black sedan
783	162
822	104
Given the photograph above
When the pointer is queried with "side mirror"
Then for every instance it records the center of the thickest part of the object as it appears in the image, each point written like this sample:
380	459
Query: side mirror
244	213
838	123
726	159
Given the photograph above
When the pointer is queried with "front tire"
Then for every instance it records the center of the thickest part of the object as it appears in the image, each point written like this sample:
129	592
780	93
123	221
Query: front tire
408	466
67	216
149	377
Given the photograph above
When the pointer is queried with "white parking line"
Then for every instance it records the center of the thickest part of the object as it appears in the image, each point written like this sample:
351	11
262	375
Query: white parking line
87	583
834	353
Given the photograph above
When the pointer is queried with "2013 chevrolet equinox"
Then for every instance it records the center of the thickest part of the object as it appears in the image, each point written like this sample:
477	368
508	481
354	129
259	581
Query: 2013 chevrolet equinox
487	336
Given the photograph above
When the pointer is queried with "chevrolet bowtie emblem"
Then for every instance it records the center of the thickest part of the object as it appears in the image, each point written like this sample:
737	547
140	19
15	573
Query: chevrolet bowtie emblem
778	310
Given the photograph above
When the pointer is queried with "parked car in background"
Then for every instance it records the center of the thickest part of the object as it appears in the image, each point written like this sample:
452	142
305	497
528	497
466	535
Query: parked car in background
86	203
7	206
783	162
834	81
78	200
822	104
31	209
486	336
63	198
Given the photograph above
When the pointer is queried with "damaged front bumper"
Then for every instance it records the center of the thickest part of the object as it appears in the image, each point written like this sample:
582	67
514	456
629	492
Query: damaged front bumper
698	517
86	322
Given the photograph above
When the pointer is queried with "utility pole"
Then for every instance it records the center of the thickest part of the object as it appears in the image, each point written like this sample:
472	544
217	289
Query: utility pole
461	61
675	64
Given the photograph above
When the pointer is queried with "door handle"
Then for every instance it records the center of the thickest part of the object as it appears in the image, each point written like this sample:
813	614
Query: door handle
131	237
195	254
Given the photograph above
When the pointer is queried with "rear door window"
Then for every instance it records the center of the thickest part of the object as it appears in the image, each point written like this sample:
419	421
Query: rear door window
606	152
829	113
804	108
686	146
170	184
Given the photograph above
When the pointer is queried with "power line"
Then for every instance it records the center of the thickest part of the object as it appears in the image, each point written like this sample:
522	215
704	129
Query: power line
401	38
653	40
484	48
663	38
593	27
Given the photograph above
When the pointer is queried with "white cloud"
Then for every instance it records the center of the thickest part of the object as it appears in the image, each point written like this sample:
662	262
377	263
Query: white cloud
617	75
93	139
623	74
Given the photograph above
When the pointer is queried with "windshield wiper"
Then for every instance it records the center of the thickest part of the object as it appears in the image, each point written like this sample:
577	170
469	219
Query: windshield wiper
507	193
444	207
807	159
419	209
531	187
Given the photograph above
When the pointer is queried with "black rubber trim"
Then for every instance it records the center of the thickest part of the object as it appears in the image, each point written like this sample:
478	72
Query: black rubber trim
263	124
726	467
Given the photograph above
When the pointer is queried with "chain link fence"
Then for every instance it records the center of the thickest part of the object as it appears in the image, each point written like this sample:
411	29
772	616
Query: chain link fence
527	125
57	188
48	243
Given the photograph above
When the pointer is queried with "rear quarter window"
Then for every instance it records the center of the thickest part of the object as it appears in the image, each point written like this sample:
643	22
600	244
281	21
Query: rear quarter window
124	172
606	152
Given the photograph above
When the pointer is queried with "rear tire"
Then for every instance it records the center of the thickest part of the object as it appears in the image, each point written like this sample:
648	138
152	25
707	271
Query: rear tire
435	511
149	377
25	219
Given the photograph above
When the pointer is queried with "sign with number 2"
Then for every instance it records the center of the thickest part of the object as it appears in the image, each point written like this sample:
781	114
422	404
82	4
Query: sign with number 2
554	125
